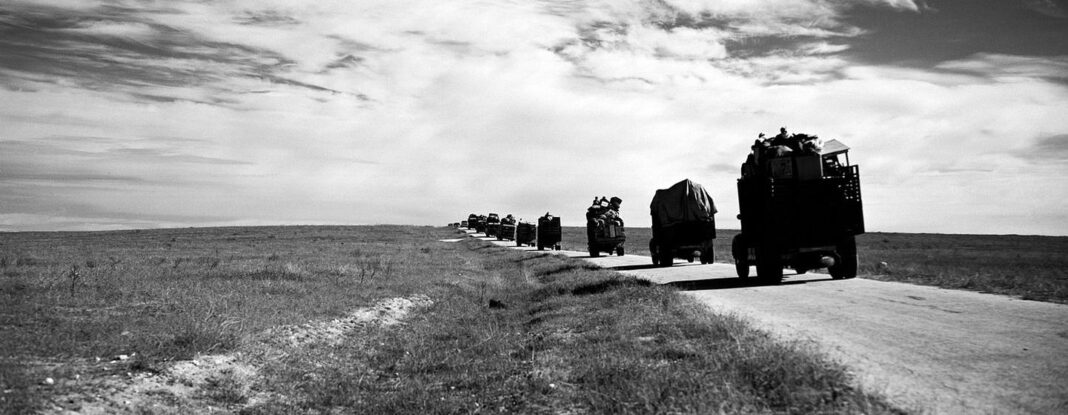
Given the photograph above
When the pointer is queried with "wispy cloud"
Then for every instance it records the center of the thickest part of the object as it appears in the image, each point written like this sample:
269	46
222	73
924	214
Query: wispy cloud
416	111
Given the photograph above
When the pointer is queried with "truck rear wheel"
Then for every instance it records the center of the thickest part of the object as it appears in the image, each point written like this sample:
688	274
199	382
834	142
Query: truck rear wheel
769	265
667	257
741	267
654	253
740	252
594	252
846	265
708	254
619	251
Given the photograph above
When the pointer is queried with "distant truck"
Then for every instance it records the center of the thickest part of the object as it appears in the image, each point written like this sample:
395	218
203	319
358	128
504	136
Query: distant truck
507	229
525	233
604	227
493	223
480	224
549	232
472	222
684	224
801	210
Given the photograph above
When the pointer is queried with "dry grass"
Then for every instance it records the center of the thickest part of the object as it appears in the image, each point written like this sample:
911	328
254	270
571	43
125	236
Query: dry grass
522	333
167	295
1030	267
507	331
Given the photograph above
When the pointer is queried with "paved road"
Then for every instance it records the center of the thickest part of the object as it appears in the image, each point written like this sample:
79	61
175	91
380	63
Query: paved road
927	349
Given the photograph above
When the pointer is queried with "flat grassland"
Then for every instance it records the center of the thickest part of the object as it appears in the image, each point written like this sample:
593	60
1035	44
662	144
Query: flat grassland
502	330
1029	267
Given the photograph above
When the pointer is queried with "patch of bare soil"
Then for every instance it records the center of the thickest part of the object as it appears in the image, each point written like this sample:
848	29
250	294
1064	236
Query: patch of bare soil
221	383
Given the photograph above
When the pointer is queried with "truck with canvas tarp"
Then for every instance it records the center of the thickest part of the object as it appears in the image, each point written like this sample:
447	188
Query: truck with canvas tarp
800	207
684	224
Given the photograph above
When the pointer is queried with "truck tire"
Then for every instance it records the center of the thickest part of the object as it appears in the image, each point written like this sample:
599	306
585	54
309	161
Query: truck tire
653	253
740	252
594	252
619	251
708	254
541	247
846	265
769	265
741	267
667	257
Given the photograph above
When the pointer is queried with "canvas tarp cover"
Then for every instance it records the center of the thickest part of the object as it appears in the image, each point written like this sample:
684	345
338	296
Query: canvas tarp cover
686	201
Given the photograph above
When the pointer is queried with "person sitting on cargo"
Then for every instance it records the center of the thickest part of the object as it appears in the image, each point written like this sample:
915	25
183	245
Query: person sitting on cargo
614	203
780	140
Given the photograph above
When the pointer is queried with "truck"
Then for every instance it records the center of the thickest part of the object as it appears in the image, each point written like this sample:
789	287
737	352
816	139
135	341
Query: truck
549	232
802	210
525	233
493	224
604	227
473	222
506	229
684	224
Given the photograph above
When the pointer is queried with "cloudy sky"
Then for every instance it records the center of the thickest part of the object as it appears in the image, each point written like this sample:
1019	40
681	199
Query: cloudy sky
138	114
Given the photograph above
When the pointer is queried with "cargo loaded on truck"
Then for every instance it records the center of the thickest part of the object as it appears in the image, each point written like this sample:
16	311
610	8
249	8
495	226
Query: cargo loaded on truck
800	208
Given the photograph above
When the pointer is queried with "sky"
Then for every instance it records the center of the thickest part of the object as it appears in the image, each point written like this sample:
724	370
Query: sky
129	114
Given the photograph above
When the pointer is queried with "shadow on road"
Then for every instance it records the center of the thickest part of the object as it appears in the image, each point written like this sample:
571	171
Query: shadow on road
632	267
727	283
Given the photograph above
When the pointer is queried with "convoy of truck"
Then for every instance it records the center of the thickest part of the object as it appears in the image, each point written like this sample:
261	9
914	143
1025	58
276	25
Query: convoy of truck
799	207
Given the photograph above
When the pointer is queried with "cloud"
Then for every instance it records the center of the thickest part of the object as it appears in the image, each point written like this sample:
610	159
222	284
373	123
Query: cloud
1005	66
273	112
1052	148
1046	7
